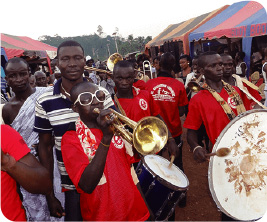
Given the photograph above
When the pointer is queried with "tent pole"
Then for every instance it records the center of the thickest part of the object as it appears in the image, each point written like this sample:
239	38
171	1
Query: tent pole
246	48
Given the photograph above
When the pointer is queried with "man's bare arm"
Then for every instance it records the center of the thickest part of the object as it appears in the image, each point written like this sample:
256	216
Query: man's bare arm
198	151
45	150
28	172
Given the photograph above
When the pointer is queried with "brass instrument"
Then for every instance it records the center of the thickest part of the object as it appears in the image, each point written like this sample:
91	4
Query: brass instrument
194	85
150	134
97	70
146	66
140	74
112	60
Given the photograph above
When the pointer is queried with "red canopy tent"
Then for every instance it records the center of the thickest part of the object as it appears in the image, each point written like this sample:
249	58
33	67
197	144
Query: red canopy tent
17	45
36	51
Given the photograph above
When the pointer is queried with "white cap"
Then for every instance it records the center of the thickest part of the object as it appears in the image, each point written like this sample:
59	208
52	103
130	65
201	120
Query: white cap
88	58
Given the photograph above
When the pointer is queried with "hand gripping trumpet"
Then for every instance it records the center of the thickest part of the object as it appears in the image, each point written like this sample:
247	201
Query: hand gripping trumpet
149	136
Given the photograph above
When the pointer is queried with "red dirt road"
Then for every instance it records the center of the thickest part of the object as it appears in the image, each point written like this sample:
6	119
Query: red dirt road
200	205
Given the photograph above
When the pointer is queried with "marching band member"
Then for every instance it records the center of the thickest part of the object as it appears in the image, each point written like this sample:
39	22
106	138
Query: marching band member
99	163
170	96
215	106
231	79
133	102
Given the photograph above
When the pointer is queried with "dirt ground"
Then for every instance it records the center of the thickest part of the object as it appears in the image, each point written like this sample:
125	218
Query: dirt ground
200	205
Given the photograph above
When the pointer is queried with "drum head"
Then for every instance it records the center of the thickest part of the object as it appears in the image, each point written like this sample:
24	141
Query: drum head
238	181
172	177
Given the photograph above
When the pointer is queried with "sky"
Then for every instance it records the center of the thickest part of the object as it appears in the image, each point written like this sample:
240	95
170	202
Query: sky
80	17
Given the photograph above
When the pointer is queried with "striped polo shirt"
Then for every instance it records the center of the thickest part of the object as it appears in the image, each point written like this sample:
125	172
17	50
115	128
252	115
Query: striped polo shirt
53	114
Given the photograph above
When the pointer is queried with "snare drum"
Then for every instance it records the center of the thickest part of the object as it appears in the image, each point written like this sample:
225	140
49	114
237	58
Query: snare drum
238	181
163	186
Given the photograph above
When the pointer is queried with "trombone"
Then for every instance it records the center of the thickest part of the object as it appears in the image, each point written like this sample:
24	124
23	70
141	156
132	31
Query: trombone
147	67
150	134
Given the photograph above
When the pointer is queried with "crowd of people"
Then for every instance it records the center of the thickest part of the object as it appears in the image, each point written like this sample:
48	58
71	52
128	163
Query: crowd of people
65	158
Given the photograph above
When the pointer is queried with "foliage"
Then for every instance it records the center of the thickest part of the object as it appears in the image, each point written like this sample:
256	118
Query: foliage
99	46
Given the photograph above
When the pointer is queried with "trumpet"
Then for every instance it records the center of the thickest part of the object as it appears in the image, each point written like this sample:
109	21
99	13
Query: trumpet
97	70
194	84
112	60
150	134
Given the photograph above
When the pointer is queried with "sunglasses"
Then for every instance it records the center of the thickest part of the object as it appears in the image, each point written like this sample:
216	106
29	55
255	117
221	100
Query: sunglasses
86	98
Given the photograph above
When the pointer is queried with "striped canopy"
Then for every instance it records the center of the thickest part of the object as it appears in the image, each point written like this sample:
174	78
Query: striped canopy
180	31
242	19
17	45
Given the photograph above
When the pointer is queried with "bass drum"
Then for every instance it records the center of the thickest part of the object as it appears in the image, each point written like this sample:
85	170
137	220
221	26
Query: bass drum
238	181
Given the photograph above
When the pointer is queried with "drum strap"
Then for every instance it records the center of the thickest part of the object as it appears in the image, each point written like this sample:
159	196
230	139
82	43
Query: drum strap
239	82
232	94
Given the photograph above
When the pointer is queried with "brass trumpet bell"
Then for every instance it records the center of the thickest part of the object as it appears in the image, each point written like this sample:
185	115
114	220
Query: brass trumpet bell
194	86
113	59
149	136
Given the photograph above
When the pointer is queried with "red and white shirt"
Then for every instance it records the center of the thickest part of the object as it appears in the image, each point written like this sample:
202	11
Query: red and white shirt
141	105
204	108
140	84
116	197
169	94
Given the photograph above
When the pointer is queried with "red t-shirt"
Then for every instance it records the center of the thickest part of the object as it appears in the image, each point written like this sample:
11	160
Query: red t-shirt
116	198
13	144
141	105
140	84
169	94
204	108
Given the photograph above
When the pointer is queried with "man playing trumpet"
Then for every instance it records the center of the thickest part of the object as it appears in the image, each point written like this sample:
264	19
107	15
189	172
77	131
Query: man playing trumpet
99	163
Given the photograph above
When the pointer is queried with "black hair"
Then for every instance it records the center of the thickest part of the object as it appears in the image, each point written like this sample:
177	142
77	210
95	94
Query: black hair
142	57
17	60
241	55
75	88
89	60
167	61
225	54
157	58
122	64
69	43
202	58
187	57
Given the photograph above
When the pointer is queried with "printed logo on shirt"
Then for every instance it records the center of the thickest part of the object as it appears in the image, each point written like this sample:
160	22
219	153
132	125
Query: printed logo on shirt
162	92
143	104
231	102
117	141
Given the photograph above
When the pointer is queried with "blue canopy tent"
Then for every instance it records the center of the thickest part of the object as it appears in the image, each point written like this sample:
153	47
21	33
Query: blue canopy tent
246	19
4	59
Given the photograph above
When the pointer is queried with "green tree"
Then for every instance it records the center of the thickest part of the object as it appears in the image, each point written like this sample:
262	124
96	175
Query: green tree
98	47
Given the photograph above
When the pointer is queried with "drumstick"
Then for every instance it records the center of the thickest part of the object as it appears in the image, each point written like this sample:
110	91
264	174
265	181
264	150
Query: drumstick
172	159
